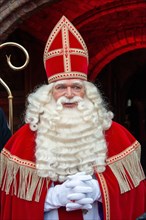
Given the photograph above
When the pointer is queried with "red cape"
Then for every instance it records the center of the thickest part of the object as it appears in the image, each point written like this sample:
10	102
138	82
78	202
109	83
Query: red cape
123	184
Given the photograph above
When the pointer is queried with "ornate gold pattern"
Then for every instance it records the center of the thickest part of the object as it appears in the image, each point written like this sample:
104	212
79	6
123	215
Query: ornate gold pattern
59	52
17	159
123	154
70	75
106	195
66	49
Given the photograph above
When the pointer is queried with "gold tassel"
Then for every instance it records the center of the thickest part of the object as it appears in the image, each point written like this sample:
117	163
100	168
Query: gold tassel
128	164
28	184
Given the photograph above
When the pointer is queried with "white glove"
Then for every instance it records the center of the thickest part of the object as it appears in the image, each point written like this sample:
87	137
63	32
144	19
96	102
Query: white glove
75	206
82	184
96	193
78	192
82	180
79	203
80	176
78	199
58	196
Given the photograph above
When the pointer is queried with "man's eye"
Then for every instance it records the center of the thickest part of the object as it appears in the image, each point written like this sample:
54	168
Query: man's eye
60	87
77	87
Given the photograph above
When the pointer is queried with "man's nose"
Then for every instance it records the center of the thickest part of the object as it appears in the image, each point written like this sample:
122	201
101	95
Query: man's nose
69	92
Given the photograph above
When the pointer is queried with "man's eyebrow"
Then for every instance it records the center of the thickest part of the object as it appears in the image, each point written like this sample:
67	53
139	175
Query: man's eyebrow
59	83
64	83
78	82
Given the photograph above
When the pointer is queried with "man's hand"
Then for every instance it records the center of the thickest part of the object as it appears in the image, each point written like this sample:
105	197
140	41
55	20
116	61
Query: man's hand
82	183
79	191
57	196
61	194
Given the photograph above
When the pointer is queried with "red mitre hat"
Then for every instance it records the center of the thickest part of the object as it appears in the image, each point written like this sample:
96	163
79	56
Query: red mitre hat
65	54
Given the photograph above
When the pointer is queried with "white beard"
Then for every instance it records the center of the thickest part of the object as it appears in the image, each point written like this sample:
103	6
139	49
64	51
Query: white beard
69	141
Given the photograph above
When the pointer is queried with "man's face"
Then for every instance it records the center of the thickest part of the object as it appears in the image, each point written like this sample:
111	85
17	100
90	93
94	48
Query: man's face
68	88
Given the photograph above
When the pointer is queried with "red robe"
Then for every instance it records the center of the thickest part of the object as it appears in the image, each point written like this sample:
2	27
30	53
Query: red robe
123	184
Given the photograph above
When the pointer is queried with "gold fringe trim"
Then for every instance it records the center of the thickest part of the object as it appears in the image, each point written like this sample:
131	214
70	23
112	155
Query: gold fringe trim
128	170
17	179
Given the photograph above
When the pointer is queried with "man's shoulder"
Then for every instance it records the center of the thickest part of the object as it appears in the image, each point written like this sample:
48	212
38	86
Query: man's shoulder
24	129
23	134
118	138
22	143
119	131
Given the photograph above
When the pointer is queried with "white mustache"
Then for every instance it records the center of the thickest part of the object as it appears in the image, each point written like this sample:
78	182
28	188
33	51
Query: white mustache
63	99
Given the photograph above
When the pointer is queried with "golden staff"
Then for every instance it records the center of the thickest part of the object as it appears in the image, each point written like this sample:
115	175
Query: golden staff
10	97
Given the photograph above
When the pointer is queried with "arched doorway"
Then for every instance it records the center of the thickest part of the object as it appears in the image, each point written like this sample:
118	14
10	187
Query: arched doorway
123	84
135	113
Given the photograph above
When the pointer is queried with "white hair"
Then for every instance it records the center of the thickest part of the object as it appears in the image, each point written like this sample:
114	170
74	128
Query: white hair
35	103
93	94
68	141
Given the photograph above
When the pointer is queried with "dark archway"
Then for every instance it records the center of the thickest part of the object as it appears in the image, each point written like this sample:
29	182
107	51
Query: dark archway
135	112
123	84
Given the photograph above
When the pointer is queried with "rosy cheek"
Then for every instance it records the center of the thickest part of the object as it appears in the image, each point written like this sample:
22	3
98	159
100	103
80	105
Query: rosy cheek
83	94
55	96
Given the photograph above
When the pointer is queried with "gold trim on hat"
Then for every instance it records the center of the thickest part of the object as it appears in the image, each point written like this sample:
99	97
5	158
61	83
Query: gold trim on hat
71	75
